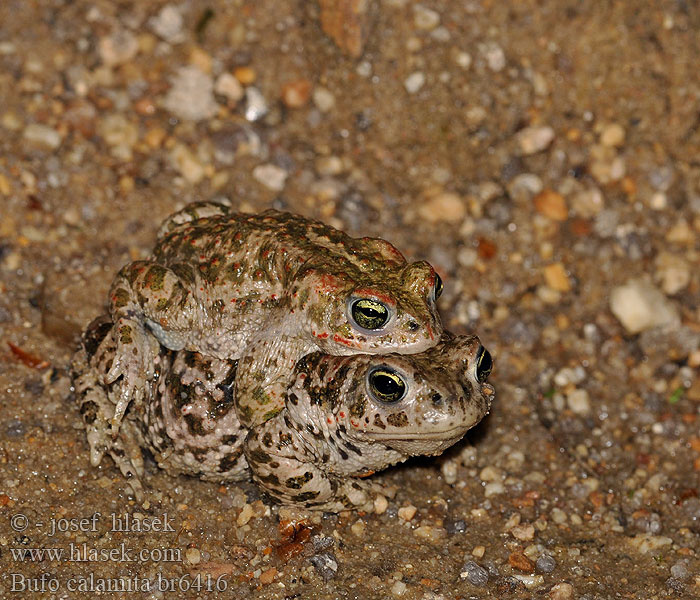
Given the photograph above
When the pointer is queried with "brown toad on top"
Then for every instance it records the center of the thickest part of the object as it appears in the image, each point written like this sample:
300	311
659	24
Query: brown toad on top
266	289
344	417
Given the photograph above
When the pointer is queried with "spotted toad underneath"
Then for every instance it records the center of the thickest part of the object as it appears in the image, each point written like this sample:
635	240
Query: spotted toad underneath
344	417
266	289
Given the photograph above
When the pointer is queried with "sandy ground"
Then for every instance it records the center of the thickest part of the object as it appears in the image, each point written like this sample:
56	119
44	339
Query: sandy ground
542	155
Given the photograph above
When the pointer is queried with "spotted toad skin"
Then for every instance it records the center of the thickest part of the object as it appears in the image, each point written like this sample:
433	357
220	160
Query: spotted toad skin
332	431
266	289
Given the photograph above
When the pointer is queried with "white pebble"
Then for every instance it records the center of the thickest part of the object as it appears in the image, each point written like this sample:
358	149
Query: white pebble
414	82
193	556
42	135
407	512
495	57
463	59
256	105
449	471
227	85
399	588
534	139
578	402
639	306
425	18
493	489
612	135
364	68
191	96
323	99
118	48
167	24
271	176
561	591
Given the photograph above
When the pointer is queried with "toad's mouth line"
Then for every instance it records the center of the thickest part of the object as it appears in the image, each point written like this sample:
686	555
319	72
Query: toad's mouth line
420	435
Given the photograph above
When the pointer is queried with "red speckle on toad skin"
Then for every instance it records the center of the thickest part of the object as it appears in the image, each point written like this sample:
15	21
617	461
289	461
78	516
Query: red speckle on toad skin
330	421
342	414
346	342
354	423
388	300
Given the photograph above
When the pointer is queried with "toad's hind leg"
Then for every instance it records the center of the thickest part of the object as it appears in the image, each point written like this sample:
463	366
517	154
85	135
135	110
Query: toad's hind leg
284	468
97	409
150	304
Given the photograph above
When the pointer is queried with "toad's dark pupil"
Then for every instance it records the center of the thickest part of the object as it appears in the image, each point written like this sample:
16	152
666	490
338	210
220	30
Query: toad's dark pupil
370	314
484	364
387	385
438	286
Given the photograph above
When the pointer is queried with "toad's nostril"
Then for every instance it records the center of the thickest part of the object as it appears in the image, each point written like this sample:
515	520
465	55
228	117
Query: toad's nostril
413	326
437	399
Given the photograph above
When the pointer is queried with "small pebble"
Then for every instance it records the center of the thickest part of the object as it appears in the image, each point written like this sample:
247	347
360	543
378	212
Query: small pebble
495	57
523	532
458	526
191	96
612	135
474	573
118	48
578	402
268	576
193	556
552	205
358	528
556	278
608	170
187	164
449	471
561	591
256	105
493	489
534	139
296	94
587	203
407	512
519	561
245	515
525	186
399	588
168	24
463	59
559	516
545	564
644	542
445	206
326	565
228	86
425	18
490	473
639	306
414	82
246	75
42	135
323	99
380	504
271	176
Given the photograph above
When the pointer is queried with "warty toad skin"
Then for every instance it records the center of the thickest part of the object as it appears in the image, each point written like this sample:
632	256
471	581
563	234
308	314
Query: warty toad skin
266	289
344	417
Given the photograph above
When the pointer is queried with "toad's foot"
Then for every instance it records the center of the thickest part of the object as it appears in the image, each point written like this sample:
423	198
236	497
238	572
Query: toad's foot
284	468
133	352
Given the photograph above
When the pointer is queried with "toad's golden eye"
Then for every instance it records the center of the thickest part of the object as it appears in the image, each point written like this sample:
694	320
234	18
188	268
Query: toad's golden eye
369	314
386	385
484	364
438	286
